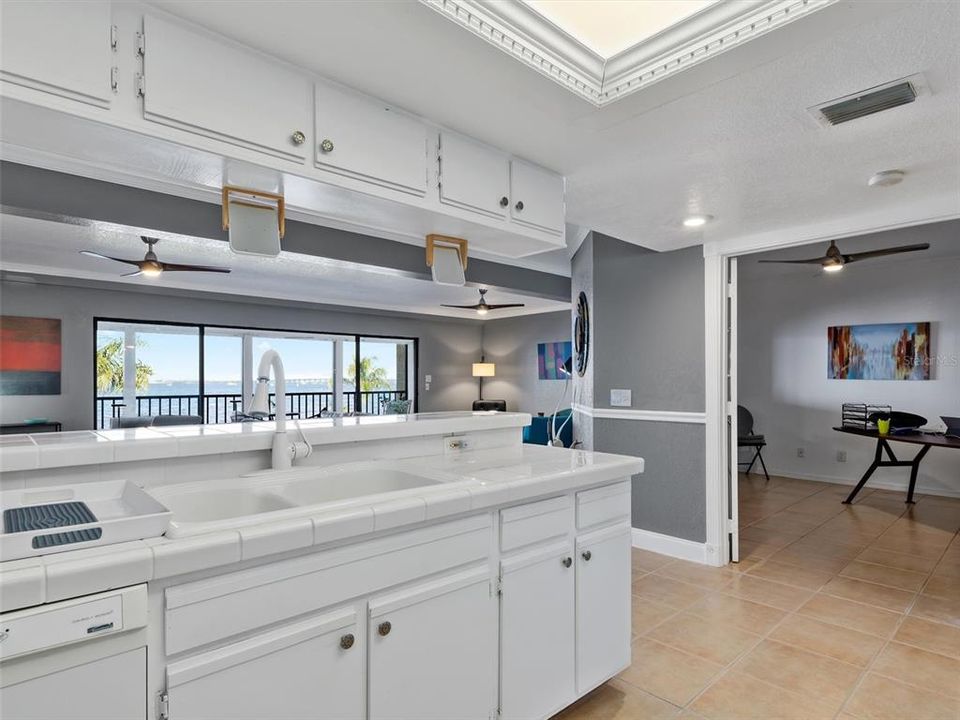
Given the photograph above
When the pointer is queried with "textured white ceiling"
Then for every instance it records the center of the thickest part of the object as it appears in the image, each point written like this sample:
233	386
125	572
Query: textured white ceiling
43	247
730	137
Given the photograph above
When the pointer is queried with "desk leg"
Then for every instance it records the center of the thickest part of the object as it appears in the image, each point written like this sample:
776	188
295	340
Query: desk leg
866	476
914	467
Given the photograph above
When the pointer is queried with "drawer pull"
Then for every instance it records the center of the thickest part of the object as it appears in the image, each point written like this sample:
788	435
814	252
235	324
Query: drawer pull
384	628
567	562
586	555
346	641
519	205
298	138
326	146
504	201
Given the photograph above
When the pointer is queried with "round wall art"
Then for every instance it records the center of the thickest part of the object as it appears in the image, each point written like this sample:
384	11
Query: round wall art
581	334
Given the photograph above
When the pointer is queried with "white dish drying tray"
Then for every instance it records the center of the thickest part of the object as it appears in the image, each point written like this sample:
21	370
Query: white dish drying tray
123	512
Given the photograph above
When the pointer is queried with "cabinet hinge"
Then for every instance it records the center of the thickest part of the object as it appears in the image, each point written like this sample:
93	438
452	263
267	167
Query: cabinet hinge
141	44
114	33
498	587
113	78
141	85
163	706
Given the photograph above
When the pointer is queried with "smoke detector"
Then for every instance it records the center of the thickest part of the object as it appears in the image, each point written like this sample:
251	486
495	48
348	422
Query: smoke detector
870	101
886	178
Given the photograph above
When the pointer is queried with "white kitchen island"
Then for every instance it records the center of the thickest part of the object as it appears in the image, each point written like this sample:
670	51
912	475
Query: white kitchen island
500	586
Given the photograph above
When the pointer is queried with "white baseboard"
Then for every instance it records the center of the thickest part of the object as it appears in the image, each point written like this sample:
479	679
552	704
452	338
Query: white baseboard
674	547
874	482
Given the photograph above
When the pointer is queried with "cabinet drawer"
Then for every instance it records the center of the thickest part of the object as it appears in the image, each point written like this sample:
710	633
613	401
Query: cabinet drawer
208	610
534	522
607	504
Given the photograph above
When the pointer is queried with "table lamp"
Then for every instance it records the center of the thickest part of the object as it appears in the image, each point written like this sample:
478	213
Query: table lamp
481	370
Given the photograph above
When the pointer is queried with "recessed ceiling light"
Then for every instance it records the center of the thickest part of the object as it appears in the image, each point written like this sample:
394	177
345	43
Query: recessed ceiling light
885	178
695	221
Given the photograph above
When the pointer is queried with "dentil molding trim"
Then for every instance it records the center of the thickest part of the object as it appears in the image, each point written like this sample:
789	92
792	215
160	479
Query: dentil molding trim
518	30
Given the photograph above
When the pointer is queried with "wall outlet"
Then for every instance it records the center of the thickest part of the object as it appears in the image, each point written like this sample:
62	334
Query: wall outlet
841	455
801	452
428	379
621	398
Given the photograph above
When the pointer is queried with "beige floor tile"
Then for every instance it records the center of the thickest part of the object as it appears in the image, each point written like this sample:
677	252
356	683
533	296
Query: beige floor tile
706	576
800	671
826	548
949	565
870	593
618	700
943	585
880	698
766	592
936	637
739	613
667	592
930	671
883	575
803	559
938	609
850	614
840	643
757	550
649	561
670	674
901	561
709	640
792	575
648	614
910	547
738	696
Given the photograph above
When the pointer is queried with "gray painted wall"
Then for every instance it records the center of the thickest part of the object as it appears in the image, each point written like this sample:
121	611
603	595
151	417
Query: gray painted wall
447	347
511	343
648	336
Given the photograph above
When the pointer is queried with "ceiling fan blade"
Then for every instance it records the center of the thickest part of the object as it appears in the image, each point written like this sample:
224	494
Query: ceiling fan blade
853	257
179	267
505	305
809	261
101	256
133	274
462	307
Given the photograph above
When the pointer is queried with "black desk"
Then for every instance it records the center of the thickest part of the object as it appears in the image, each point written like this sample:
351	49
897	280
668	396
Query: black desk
925	440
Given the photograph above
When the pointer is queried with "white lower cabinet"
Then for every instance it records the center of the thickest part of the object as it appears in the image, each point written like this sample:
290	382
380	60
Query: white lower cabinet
433	650
603	605
537	653
312	670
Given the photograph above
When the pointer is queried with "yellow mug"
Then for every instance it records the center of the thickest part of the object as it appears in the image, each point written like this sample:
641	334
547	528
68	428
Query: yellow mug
883	426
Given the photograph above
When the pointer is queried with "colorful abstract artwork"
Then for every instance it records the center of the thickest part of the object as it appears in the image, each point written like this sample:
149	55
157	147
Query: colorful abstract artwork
889	351
551	357
29	356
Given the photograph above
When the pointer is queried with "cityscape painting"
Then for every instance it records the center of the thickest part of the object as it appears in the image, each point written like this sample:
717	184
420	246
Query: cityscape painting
887	351
29	356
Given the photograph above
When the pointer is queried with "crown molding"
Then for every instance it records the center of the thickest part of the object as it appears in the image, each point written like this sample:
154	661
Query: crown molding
518	30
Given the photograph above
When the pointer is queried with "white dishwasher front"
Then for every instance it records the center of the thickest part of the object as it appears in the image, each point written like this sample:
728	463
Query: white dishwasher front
83	659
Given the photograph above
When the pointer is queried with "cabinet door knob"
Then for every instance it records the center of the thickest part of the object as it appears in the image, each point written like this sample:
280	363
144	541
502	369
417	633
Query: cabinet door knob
346	641
504	201
519	205
326	145
384	628
567	562
298	138
586	555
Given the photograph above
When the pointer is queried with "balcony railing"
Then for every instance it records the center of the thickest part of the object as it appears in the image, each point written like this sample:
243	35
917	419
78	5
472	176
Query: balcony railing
220	408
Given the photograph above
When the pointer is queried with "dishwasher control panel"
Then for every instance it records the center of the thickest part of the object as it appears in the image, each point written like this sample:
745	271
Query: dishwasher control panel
71	621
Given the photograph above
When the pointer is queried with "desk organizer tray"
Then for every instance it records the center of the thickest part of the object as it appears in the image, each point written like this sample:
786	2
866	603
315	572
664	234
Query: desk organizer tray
69	517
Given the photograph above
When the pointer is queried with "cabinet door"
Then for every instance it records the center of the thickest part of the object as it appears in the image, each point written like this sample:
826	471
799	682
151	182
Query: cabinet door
537	632
308	671
110	688
433	650
603	606
473	176
363	138
536	196
210	87
58	47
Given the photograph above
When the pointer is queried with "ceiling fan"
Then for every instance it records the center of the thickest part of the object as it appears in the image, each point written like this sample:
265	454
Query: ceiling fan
150	266
834	260
483	307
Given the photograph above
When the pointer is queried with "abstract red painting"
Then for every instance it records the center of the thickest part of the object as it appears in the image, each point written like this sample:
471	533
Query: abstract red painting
29	356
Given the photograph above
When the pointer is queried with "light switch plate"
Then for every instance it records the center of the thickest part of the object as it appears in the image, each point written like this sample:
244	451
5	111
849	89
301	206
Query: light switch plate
620	398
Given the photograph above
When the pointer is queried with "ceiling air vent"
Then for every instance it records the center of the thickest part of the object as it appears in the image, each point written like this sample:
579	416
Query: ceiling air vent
868	102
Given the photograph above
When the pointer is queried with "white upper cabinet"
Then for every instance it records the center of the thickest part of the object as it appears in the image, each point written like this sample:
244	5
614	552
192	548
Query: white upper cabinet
363	138
473	176
63	48
536	196
208	86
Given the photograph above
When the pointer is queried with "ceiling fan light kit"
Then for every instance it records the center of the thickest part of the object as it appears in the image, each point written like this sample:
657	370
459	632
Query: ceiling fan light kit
886	178
483	307
151	266
834	260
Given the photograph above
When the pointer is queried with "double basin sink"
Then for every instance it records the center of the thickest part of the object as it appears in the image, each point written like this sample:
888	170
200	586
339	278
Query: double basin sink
205	506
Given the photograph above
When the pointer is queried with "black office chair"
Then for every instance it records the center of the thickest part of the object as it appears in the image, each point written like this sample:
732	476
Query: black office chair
746	437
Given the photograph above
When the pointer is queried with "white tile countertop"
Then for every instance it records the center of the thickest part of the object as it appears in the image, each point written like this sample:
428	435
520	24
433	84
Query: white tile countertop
84	447
476	480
